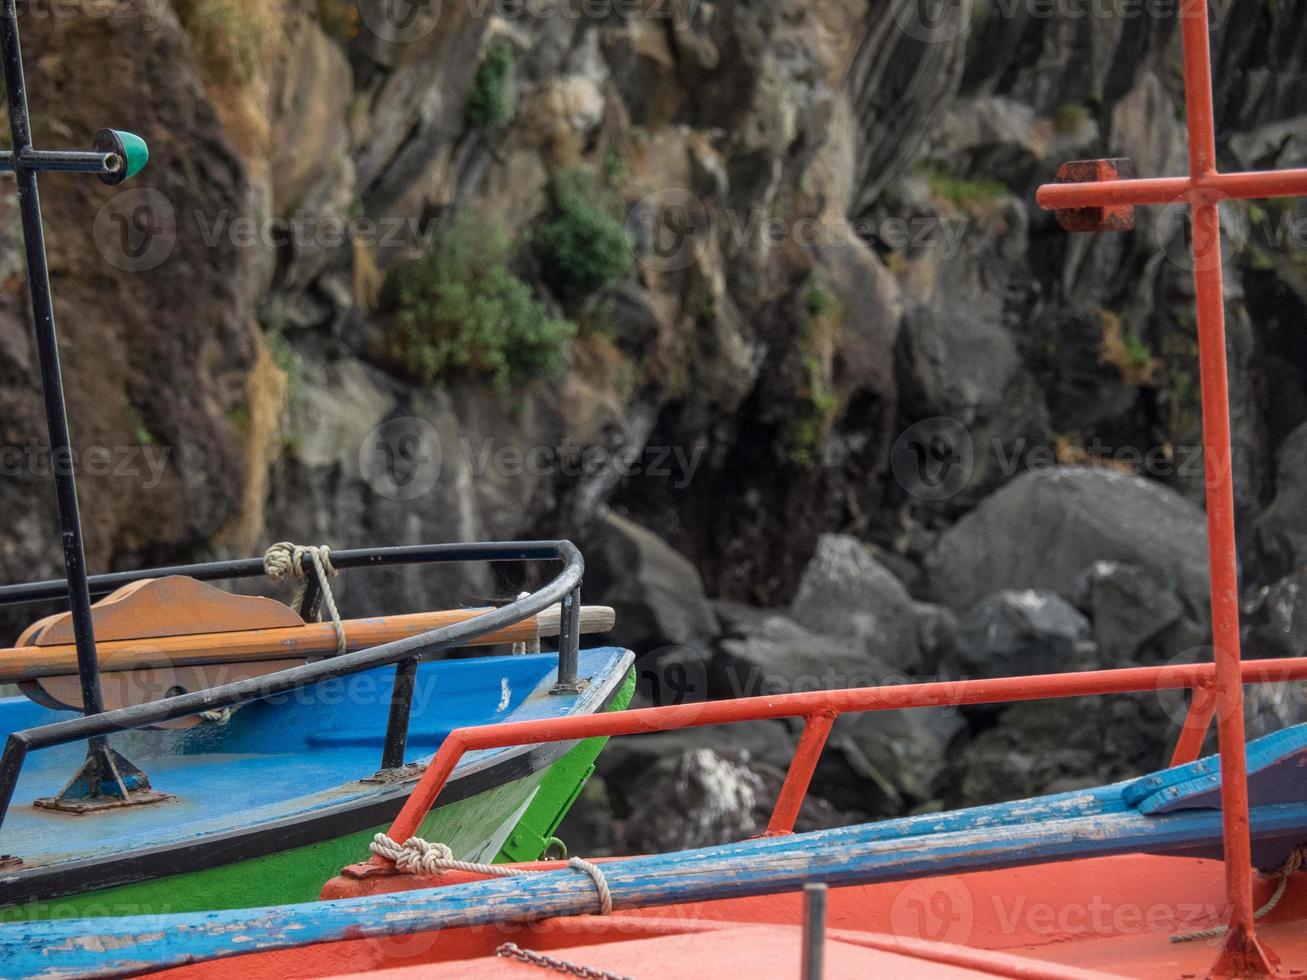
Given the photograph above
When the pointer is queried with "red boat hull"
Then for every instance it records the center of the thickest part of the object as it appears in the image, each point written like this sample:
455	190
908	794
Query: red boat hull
1101	916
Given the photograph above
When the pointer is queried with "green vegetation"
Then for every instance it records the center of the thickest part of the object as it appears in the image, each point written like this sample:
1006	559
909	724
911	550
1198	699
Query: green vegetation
960	192
339	19
1126	350
803	437
581	247
286	357
136	419
493	99
819	302
225	37
459	307
1070	118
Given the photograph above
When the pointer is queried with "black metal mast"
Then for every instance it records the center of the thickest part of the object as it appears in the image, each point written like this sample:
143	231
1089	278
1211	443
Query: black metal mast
116	156
56	414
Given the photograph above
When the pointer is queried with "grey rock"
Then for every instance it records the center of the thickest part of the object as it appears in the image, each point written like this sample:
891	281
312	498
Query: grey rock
901	754
1046	526
771	654
657	592
1277	619
1038	746
1019	632
846	592
1129	609
1281	532
937	632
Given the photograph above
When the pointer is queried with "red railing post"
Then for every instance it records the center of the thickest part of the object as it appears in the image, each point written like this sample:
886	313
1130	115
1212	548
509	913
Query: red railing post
1241	953
1196	722
789	801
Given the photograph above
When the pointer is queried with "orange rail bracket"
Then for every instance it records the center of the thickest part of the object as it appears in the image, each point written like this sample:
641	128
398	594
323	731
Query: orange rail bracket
1105	217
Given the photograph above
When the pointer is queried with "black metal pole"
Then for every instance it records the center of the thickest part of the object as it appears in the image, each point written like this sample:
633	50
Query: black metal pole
401	704
56	414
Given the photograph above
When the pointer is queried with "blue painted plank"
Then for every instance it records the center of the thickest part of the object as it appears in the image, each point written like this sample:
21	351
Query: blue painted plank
1275	775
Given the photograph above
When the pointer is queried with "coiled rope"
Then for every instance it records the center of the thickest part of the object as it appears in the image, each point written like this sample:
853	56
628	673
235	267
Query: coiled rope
420	857
1292	864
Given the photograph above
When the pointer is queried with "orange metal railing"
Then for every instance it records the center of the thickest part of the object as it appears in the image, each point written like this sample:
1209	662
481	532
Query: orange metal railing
819	709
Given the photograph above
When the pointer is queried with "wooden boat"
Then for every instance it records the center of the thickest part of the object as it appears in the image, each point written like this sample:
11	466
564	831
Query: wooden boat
254	806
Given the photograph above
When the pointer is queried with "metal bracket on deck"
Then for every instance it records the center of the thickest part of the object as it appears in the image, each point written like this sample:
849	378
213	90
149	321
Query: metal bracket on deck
105	781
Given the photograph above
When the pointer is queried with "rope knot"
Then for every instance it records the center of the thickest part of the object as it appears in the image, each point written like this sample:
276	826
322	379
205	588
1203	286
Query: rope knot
426	858
286	558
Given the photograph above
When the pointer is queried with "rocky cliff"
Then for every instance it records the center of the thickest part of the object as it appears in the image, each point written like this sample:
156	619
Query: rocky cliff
695	282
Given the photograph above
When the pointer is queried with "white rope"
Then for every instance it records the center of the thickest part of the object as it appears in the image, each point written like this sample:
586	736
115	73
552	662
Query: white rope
285	558
420	857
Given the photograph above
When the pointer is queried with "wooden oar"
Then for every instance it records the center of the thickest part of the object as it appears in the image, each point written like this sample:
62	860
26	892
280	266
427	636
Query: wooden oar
28	663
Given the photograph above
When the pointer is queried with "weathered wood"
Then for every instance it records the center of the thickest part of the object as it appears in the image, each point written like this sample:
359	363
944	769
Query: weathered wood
279	643
172	606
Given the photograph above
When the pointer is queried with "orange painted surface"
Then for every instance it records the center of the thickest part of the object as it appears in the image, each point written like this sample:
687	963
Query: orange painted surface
1101	916
298	642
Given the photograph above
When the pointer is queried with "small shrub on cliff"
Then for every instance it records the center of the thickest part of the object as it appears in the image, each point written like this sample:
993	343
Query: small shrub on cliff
581	247
493	99
961	192
459	308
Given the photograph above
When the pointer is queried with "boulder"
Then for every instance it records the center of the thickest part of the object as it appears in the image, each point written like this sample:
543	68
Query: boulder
765	652
1276	620
937	632
1039	747
1019	632
657	592
1281	532
900	757
846	592
1045	527
1129	609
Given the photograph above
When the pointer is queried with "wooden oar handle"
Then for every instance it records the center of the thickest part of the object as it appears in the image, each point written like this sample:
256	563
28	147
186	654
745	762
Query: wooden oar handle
279	643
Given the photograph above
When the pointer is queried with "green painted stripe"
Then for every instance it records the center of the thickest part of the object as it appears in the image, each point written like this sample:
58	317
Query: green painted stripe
561	786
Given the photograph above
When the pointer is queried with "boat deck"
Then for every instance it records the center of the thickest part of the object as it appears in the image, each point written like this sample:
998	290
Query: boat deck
278	759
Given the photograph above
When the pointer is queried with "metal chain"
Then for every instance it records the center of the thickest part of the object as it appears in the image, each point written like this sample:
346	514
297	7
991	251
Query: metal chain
516	952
